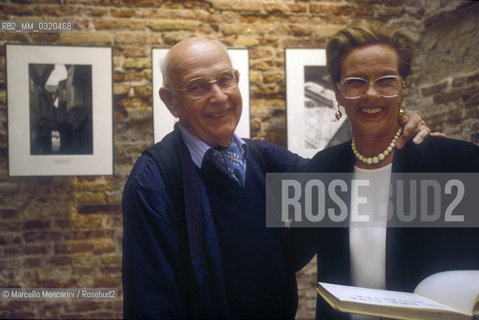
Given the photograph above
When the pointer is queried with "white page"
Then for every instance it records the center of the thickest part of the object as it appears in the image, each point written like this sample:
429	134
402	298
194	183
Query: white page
384	297
458	289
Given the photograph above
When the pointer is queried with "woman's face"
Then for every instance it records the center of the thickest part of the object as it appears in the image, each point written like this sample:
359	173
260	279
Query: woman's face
371	115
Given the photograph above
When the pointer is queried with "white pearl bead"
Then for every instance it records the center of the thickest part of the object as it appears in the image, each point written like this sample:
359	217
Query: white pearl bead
380	156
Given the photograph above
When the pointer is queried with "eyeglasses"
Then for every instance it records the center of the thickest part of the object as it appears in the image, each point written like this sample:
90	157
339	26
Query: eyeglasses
387	86
197	88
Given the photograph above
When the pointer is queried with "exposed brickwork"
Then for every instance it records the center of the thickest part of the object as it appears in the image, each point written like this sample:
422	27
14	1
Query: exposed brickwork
66	231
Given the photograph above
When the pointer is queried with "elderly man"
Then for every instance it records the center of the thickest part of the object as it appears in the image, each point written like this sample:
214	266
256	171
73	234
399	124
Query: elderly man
195	243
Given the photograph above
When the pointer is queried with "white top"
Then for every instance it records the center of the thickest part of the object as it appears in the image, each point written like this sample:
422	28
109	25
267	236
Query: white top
368	225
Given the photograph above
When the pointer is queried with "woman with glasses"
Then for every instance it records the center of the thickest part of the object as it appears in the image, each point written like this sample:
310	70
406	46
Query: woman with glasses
369	63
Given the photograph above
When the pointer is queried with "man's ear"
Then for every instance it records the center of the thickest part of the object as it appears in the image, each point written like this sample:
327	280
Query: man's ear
167	98
237	75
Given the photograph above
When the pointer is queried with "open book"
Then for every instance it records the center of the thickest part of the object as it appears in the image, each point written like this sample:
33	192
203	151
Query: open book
450	295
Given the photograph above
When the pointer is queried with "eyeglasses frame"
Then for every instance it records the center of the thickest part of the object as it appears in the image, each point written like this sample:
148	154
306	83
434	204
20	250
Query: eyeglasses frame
233	71
373	83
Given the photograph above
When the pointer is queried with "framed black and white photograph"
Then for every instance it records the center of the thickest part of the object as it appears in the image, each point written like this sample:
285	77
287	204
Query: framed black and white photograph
59	110
163	121
311	104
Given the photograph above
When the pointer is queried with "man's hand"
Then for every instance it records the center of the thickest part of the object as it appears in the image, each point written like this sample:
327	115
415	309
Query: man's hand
414	126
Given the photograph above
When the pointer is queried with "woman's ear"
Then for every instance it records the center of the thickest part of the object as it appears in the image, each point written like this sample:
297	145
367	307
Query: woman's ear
339	97
167	98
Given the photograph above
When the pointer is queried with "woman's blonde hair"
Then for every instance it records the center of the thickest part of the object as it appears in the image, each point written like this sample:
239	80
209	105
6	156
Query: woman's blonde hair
366	32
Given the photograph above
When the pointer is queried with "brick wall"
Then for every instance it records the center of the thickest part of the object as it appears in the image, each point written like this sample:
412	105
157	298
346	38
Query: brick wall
66	231
446	81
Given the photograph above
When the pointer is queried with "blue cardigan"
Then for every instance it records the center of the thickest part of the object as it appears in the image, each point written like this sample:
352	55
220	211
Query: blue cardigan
171	264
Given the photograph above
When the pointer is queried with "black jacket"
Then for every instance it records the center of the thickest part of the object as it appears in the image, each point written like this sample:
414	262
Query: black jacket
411	253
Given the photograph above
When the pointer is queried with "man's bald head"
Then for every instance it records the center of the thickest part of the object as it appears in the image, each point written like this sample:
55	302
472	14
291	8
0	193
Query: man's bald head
186	49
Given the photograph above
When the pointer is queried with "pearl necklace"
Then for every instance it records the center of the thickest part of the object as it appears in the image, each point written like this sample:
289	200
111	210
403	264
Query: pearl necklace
382	155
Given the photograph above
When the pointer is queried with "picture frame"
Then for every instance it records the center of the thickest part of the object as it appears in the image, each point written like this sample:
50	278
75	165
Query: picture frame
60	119
311	104
163	120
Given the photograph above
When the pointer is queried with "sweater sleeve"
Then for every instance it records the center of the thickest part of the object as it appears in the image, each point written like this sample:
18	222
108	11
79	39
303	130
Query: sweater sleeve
153	248
279	159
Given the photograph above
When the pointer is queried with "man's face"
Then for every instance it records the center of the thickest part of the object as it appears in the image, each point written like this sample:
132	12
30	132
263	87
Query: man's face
212	117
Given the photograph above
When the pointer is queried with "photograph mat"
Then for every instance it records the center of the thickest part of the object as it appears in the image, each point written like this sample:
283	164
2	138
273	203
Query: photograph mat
21	162
296	60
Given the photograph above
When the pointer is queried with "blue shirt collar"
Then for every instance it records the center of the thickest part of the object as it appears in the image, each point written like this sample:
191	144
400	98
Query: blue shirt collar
198	148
